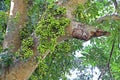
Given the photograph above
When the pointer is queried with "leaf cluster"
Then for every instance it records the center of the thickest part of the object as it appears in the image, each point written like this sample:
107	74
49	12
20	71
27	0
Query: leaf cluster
51	26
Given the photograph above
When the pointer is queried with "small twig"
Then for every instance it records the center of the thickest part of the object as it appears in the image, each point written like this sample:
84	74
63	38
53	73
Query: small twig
108	64
111	52
45	54
102	73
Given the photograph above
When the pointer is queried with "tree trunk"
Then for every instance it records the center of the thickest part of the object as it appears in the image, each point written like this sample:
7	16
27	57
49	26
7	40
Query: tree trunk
17	19
23	70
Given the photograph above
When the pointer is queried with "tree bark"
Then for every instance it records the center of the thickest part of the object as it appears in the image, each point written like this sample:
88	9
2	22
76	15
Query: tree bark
23	70
17	19
108	17
76	29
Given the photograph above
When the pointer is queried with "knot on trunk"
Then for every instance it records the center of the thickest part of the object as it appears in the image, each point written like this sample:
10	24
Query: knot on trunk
86	33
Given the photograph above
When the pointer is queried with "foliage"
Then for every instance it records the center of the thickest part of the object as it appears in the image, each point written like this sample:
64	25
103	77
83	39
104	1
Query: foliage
3	20
92	10
51	25
6	59
4	5
58	62
98	52
49	22
26	50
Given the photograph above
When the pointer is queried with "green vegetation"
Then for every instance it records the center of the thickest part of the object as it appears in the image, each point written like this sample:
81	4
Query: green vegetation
48	21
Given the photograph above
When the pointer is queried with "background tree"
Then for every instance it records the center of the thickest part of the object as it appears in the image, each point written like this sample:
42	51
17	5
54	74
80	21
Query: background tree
40	34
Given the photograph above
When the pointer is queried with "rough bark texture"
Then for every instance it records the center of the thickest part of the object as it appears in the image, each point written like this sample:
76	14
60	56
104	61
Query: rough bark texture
77	29
23	70
86	32
20	71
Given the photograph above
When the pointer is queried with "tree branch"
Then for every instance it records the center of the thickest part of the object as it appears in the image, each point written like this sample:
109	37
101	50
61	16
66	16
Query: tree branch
111	52
108	17
77	29
108	64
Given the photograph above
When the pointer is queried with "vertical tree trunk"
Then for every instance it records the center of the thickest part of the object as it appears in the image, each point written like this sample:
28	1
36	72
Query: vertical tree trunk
17	19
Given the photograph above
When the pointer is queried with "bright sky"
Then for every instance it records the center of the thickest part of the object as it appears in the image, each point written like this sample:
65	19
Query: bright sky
95	71
74	73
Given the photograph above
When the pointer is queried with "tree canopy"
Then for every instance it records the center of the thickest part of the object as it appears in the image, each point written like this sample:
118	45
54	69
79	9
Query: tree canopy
40	38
